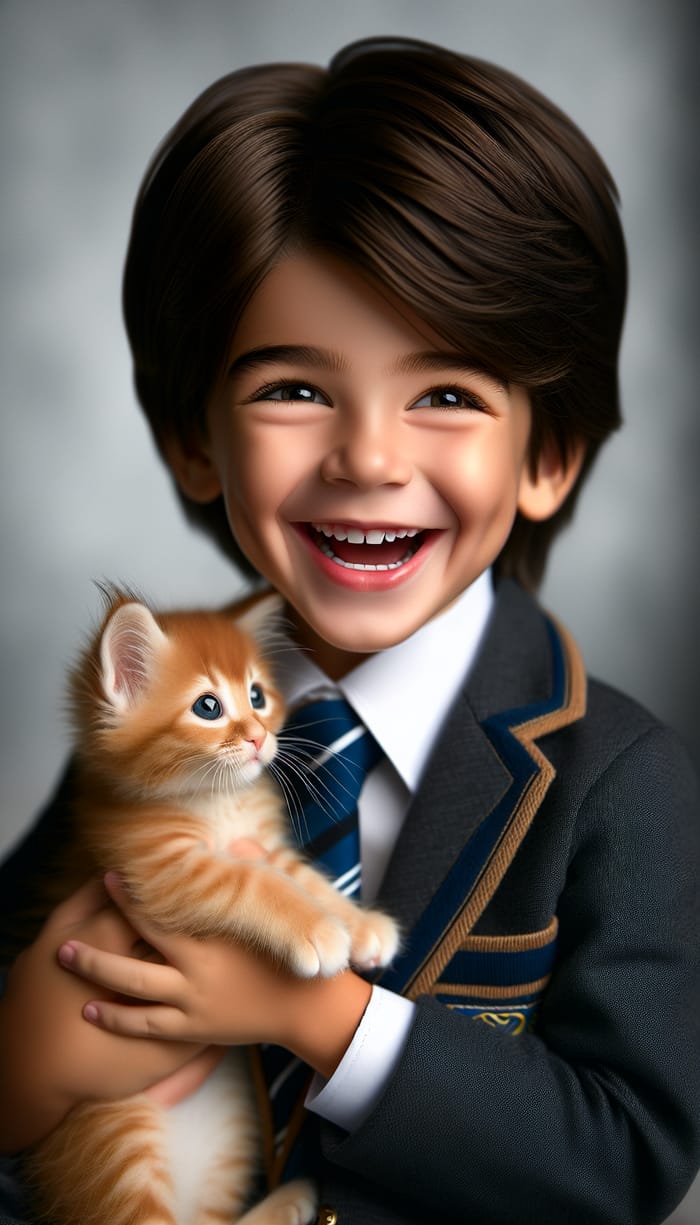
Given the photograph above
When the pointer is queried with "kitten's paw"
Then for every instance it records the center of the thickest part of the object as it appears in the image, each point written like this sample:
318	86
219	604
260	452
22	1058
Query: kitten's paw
294	1203
374	940
324	952
298	1206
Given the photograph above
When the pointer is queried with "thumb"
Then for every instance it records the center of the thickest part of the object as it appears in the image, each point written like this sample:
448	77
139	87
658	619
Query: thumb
247	848
164	942
117	891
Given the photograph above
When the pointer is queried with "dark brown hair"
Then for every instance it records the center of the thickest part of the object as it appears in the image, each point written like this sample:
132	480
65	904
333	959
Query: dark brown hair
443	178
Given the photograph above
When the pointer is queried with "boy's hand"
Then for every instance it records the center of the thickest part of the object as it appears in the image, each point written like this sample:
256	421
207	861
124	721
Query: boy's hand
50	1059
217	991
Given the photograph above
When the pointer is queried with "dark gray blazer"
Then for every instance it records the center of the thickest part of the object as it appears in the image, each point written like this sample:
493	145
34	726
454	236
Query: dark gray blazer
546	880
548	877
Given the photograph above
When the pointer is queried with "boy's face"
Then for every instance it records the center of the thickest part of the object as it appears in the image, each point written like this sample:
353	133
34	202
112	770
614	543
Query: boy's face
368	473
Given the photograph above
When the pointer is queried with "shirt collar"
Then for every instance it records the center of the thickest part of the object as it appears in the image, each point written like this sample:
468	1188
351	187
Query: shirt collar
402	694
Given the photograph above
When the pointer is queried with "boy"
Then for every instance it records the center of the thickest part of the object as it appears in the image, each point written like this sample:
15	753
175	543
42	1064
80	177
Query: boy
375	315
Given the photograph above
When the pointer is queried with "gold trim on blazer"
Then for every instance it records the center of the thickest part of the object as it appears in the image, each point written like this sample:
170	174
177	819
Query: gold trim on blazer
529	802
486	991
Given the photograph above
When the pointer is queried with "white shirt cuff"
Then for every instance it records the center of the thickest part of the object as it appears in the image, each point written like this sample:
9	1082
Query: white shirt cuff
367	1065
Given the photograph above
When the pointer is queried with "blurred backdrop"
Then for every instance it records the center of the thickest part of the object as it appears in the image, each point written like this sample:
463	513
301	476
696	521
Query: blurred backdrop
86	92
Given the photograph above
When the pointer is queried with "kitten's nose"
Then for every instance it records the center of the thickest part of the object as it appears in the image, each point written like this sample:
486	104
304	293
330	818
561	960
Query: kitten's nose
255	735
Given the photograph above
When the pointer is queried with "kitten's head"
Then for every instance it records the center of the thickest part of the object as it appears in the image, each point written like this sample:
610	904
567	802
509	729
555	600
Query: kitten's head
169	704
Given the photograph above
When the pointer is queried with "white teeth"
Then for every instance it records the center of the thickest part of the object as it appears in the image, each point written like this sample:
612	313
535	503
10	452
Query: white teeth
351	565
355	535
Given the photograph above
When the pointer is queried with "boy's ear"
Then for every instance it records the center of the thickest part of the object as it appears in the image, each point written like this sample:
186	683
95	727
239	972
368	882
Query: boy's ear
193	469
546	485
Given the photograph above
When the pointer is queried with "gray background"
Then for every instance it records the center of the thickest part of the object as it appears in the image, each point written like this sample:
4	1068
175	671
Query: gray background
87	90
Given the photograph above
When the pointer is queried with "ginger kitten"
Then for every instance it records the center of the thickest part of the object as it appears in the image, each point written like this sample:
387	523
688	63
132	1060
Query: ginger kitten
176	717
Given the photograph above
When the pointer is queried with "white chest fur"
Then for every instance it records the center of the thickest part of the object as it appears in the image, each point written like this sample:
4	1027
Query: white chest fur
256	812
210	1138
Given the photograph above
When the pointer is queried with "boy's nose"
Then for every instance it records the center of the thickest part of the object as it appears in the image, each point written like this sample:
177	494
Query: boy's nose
367	453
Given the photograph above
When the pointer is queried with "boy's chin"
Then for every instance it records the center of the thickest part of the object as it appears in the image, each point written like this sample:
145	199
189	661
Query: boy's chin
344	640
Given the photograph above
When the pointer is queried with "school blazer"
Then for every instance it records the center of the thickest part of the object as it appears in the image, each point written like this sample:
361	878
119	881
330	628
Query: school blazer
546	883
546	880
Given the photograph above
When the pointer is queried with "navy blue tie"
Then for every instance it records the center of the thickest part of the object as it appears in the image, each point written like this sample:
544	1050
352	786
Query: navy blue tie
324	756
325	753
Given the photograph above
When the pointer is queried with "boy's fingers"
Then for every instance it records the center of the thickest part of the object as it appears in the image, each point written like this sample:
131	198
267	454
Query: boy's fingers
185	1080
116	890
124	975
155	1021
247	848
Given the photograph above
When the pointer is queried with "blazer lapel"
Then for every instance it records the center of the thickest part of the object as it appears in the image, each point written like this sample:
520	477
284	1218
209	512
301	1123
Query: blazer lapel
464	779
482	788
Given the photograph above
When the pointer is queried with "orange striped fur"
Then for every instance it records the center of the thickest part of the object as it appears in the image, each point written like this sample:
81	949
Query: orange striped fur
162	793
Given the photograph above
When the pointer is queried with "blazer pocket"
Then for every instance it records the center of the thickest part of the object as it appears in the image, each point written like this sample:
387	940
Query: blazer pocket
500	980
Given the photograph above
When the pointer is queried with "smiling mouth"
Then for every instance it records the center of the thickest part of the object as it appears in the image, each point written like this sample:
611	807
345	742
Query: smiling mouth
368	549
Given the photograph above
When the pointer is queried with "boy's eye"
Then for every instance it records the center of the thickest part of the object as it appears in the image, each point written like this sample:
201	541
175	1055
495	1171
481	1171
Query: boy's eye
207	707
450	397
257	697
292	392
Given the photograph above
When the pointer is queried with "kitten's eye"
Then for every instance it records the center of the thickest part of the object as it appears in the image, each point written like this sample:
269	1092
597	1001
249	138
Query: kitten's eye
257	697
207	707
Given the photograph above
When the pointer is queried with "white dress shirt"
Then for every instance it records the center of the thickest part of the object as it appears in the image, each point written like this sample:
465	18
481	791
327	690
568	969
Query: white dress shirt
402	695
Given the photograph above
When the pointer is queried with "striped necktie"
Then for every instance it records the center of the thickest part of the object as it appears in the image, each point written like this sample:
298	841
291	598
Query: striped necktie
324	756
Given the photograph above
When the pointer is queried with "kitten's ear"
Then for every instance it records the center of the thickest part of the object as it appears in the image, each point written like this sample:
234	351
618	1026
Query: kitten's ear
130	643
262	614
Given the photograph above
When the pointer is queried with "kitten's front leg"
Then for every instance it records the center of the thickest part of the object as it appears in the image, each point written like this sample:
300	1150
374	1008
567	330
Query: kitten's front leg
374	936
293	1203
186	887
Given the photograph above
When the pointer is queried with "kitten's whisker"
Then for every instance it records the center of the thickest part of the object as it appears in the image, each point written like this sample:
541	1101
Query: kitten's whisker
303	727
203	770
295	809
268	645
213	779
315	748
228	775
315	786
316	774
297	814
206	773
225	776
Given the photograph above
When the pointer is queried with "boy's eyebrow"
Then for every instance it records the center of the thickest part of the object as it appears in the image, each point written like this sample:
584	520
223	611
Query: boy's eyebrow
309	355
444	359
329	359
